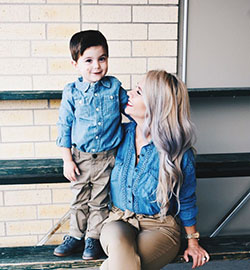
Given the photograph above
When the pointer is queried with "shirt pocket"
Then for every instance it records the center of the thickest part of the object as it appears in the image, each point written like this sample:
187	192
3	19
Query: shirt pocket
111	103
147	189
83	108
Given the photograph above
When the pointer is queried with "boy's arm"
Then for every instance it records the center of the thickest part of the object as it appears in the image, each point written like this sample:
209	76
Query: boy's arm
69	166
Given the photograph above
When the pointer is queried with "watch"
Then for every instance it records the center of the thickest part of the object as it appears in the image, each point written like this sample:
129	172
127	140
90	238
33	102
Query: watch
195	235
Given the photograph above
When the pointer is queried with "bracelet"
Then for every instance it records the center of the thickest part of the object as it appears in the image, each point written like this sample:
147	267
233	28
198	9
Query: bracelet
195	235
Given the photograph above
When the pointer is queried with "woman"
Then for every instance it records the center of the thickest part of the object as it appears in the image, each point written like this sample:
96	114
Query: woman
153	180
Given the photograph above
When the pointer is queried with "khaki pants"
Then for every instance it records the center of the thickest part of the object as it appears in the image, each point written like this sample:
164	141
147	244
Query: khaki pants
150	247
89	206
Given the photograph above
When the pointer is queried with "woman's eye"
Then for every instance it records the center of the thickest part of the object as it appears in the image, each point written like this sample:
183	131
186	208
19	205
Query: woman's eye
139	92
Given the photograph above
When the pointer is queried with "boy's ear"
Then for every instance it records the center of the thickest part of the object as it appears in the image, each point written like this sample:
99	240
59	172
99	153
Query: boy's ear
74	63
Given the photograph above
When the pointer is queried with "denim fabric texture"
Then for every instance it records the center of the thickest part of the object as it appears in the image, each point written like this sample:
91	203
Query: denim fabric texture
134	187
90	115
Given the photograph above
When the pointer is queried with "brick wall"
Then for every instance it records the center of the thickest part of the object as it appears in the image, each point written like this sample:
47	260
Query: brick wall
34	55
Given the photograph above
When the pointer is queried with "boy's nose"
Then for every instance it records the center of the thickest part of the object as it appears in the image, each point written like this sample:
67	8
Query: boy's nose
96	64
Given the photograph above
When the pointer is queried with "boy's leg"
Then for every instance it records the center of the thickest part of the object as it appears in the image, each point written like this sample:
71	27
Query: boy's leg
81	189
118	240
158	243
99	197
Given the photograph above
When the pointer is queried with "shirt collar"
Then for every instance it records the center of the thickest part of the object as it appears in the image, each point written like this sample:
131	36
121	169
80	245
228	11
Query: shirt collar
84	86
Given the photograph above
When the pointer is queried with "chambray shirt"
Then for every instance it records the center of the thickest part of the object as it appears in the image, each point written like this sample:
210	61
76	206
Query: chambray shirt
90	115
134	187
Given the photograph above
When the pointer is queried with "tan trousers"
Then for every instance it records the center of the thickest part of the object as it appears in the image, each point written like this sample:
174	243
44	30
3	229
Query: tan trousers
150	247
89	206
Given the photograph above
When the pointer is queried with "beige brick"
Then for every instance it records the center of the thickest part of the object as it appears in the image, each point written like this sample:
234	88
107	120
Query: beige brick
15	83
43	117
17	241
23	66
44	150
23	1
61	66
61	195
56	239
27	197
63	1
28	227
119	48
49	48
17	213
127	65
51	82
23	104
136	79
2	229
54	103
55	13
25	134
18	187
163	2
89	1
16	150
87	26
52	211
14	48
154	48
16	118
23	31
61	31
99	13
169	64
53	133
132	2
1	198
163	31
11	13
54	186
124	31
155	14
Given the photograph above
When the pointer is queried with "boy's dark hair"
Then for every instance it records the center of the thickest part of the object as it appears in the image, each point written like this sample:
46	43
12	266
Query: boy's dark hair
83	40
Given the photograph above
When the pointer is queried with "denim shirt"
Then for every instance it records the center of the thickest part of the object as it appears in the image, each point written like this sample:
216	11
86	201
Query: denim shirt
134	187
90	115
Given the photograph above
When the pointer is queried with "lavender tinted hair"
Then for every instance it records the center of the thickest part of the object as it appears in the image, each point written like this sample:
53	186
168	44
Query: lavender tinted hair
169	125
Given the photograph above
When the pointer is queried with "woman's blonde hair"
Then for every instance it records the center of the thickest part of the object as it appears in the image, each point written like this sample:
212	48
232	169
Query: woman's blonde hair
172	132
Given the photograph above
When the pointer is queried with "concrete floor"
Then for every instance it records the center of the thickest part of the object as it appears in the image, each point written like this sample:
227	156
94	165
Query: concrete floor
213	265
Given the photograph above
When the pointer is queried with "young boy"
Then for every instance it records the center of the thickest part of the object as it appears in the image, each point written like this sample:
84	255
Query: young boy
89	123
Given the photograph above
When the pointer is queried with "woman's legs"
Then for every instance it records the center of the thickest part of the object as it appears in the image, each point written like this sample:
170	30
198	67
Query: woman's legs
158	242
118	240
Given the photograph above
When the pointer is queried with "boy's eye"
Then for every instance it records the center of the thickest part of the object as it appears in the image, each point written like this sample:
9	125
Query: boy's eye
88	60
102	59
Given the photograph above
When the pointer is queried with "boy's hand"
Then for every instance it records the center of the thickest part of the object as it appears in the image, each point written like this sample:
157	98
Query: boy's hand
70	170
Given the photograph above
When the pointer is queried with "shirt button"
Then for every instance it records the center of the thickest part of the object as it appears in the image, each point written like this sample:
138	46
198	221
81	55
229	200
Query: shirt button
93	150
129	186
129	201
99	123
80	101
136	170
97	137
97	109
96	94
111	97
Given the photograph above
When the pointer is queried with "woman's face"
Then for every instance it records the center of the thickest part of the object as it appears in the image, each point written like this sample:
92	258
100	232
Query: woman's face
136	107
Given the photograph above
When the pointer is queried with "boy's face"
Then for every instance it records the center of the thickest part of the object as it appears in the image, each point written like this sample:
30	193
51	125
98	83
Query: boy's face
93	64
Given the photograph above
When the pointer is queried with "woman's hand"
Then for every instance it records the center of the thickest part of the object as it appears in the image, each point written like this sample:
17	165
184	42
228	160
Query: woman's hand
70	170
199	255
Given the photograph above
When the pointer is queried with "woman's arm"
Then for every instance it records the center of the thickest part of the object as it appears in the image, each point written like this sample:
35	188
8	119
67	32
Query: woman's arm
199	255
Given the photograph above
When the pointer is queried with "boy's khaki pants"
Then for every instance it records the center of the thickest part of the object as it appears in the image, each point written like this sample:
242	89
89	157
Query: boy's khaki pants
89	206
138	242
